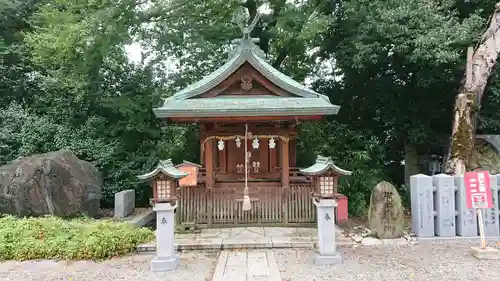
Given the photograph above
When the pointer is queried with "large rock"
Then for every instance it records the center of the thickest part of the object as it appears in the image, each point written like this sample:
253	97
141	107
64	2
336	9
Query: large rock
386	212
56	183
485	157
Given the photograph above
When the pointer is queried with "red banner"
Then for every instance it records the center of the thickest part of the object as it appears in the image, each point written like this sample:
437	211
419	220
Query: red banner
478	190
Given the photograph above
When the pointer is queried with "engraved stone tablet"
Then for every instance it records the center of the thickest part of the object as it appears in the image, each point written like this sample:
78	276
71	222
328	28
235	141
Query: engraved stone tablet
422	205
445	205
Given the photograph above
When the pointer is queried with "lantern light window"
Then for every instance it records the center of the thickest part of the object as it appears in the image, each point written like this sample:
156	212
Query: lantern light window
163	189
327	185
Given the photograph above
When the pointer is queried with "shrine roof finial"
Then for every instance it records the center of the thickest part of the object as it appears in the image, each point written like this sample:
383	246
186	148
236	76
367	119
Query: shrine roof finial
241	17
246	42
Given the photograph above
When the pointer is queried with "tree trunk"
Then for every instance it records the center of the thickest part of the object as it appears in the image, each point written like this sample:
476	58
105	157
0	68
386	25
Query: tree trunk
480	64
411	161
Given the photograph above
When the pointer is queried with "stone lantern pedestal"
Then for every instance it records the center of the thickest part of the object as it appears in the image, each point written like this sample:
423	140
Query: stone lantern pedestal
166	259
327	247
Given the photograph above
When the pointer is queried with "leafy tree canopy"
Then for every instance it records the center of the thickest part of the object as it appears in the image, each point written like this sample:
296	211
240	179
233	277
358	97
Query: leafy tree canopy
393	65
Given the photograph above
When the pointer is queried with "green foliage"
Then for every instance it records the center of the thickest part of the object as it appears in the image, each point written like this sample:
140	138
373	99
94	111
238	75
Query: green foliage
24	134
392	65
191	38
356	151
79	239
402	62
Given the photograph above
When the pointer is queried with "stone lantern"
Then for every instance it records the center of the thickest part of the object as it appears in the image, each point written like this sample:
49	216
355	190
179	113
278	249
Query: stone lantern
325	179
164	180
325	176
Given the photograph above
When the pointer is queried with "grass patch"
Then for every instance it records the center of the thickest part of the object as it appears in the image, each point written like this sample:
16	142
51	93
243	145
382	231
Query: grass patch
77	239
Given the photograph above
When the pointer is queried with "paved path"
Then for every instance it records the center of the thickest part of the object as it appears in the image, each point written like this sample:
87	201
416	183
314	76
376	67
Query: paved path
247	237
247	266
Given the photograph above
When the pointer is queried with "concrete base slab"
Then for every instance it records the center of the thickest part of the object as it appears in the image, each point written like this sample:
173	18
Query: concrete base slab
160	264
485	254
327	260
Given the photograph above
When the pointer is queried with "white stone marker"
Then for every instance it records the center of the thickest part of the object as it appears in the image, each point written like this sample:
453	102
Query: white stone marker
165	259
327	247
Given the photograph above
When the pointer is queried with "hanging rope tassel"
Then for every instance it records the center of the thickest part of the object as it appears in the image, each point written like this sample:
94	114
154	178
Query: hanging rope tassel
246	198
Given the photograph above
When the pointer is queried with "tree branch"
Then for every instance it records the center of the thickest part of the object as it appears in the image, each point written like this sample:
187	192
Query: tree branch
281	57
263	29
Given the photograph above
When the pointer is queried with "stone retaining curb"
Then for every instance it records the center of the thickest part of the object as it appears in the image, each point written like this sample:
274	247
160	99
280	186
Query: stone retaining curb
141	219
227	244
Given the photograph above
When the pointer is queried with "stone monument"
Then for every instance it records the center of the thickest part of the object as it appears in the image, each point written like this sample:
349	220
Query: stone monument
386	213
124	203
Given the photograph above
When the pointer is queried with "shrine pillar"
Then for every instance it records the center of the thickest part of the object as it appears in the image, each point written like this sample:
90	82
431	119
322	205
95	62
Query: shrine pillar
209	162
285	162
285	175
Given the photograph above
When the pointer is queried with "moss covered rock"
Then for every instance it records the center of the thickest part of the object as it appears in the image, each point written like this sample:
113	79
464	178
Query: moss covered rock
386	212
485	157
55	183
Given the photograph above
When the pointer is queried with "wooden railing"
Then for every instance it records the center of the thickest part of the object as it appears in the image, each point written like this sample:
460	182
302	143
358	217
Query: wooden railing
273	205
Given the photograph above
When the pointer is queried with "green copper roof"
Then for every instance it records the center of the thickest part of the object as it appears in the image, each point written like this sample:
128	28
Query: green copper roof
245	106
305	102
167	168
322	165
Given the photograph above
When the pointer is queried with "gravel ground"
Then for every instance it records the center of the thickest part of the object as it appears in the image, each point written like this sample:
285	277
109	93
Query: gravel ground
195	266
428	260
447	260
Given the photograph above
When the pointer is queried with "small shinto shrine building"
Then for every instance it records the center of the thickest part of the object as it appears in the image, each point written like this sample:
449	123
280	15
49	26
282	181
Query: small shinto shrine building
246	100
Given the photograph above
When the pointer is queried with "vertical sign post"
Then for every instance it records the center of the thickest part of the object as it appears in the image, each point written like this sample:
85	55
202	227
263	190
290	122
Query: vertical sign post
479	197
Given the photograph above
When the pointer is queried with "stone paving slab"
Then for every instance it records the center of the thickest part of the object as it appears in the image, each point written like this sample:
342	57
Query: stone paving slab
222	233
246	266
281	231
307	232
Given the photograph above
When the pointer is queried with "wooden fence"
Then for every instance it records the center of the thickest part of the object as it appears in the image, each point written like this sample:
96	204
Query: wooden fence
222	206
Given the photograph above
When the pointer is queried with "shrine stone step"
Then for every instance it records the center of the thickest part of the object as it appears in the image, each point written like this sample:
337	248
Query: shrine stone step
228	244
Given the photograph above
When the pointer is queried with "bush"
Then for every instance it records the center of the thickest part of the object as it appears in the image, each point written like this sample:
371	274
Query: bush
358	151
78	239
